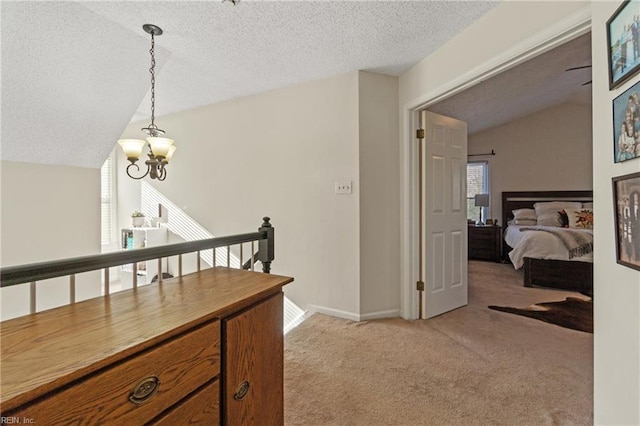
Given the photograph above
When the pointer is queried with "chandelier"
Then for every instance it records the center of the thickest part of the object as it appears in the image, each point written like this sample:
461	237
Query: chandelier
161	149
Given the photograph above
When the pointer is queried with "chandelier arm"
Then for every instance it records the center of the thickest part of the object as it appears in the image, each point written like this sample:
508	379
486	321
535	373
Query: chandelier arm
137	169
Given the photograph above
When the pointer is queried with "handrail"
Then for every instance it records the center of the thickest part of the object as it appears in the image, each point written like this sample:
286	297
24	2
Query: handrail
13	275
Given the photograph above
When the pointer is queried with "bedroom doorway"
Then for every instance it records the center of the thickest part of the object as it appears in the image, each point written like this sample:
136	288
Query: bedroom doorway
443	214
570	29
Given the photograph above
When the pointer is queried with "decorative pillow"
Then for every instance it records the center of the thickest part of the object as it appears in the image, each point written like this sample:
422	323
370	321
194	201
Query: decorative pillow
547	212
564	218
587	206
580	218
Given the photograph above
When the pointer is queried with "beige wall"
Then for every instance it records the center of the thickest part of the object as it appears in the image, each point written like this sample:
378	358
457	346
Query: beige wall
379	196
548	150
617	288
280	154
48	213
277	154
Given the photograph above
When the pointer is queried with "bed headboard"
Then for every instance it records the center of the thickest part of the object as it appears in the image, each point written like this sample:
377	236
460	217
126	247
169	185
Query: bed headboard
526	199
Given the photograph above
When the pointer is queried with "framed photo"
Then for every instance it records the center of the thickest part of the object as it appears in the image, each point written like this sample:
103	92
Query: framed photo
626	204
623	30
626	125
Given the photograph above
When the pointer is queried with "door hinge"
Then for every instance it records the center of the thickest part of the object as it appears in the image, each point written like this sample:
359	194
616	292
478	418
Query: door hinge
420	133
420	286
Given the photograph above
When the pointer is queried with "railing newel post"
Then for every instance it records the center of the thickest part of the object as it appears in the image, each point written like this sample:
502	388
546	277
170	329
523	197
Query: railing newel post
266	247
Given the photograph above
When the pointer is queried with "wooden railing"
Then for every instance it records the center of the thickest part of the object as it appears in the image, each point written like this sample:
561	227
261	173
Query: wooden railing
32	273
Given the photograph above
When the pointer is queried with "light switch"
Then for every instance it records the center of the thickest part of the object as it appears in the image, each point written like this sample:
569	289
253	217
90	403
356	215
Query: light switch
343	187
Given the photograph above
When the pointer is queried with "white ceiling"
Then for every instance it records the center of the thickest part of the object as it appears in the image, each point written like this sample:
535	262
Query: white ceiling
74	74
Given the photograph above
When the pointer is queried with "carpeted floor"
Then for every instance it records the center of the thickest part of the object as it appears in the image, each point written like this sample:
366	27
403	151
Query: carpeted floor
471	366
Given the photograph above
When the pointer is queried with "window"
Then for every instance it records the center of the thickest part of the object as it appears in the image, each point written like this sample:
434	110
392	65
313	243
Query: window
477	183
107	205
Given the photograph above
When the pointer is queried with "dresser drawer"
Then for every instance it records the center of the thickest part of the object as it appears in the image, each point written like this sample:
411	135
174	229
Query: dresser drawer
201	408
180	366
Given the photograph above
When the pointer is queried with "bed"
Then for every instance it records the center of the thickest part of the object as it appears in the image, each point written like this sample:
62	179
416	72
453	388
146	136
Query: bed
550	254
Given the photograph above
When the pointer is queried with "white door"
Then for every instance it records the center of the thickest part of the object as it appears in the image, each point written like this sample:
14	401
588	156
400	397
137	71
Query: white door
444	213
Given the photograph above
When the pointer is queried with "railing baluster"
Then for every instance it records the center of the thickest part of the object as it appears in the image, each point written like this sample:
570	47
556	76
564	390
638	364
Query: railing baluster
215	257
241	257
72	288
228	256
159	270
32	298
180	265
198	260
134	268
253	250
107	284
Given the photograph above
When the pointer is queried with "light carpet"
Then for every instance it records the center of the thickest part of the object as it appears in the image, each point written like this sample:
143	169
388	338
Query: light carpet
471	366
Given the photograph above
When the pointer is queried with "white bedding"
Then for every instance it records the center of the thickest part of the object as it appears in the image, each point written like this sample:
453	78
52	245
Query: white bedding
539	245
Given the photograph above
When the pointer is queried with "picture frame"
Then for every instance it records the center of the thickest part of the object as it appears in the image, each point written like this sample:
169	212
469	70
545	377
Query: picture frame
626	124
623	46
626	205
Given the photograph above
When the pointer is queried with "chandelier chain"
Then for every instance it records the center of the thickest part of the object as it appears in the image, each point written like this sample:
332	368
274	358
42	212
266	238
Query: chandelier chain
153	81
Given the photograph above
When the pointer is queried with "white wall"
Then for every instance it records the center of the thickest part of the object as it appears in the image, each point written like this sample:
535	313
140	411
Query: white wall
48	213
379	196
277	154
548	150
617	288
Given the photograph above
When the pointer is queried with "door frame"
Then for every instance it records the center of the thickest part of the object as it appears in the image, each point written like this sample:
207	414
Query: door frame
572	26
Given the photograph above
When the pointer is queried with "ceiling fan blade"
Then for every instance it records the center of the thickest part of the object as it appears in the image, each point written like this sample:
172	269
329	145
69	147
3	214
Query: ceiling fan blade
587	83
578	68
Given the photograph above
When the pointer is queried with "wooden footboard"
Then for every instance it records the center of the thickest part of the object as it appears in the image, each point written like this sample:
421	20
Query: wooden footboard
566	275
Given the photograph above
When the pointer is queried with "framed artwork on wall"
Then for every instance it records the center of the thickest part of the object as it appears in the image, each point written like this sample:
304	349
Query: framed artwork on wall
626	125
626	204
623	44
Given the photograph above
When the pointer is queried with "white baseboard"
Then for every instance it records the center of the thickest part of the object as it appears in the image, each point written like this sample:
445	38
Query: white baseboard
393	313
353	316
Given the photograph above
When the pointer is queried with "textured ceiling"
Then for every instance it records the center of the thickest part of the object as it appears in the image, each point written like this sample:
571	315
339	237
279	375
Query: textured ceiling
74	74
527	88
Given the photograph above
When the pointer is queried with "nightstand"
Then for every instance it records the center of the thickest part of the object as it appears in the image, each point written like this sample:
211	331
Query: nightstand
485	242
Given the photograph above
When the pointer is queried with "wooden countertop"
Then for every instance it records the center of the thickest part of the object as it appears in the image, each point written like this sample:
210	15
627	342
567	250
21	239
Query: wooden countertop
43	351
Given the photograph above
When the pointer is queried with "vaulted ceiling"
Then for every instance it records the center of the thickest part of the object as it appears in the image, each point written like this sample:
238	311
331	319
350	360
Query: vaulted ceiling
74	73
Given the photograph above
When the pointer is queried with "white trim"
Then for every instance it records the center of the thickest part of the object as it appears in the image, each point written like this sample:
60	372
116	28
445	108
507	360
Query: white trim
566	29
392	313
334	312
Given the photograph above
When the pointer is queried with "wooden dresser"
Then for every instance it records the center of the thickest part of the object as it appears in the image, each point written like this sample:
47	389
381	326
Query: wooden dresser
206	348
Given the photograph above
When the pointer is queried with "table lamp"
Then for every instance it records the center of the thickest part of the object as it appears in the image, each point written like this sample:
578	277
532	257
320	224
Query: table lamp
481	200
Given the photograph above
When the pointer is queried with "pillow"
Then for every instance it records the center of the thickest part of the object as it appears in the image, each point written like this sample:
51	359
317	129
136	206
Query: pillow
547	212
528	222
526	214
587	206
580	218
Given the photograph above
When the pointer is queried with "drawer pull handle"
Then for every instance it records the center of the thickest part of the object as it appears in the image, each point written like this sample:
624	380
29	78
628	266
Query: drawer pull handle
242	391
144	390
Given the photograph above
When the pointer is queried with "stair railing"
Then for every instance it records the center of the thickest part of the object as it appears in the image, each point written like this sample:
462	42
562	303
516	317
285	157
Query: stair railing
34	272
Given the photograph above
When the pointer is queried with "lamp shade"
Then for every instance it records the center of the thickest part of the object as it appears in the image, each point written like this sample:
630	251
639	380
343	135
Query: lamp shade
132	147
172	149
160	146
481	200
